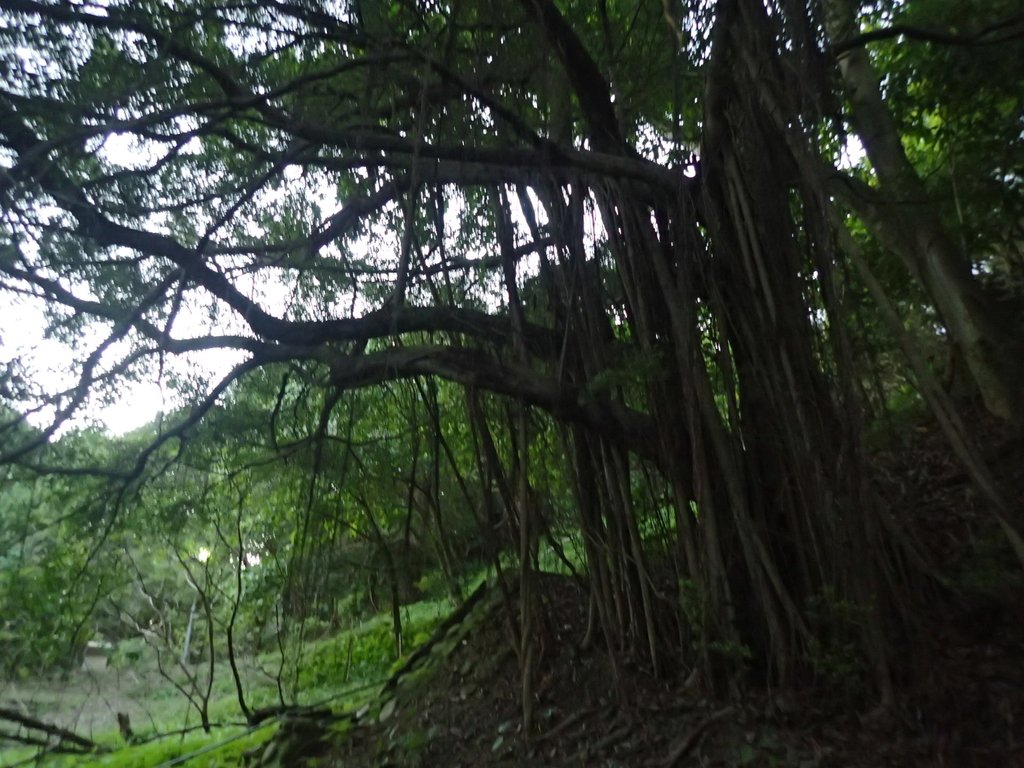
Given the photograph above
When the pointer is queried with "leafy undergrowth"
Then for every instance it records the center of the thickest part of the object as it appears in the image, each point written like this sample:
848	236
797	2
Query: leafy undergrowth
960	683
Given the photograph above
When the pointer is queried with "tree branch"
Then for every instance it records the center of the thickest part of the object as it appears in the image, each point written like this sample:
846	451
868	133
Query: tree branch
589	84
1005	31
479	370
62	734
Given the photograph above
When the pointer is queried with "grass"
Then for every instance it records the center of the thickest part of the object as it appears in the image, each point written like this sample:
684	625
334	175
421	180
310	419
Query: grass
343	670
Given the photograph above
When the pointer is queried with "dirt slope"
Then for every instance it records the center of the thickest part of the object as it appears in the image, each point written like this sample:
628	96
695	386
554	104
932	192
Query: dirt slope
457	702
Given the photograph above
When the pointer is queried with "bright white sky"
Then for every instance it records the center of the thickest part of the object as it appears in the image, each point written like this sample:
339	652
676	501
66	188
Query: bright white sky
51	364
22	326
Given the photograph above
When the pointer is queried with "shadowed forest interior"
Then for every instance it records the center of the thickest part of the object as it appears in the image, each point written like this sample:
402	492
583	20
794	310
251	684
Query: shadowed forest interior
665	351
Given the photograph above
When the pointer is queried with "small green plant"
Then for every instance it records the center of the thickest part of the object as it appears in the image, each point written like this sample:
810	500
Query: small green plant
432	584
129	652
833	649
732	650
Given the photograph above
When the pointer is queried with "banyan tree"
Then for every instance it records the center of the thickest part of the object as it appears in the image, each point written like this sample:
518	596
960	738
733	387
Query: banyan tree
636	221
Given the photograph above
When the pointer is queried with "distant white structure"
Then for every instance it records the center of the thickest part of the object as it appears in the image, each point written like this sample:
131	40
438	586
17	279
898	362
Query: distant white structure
97	654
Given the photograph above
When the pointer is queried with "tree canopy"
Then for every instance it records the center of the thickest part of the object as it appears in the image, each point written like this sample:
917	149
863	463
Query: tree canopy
463	262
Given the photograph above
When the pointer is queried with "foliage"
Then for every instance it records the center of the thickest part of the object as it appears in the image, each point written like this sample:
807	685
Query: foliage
367	653
428	289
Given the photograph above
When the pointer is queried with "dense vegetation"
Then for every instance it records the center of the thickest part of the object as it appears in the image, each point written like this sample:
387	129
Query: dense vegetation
626	289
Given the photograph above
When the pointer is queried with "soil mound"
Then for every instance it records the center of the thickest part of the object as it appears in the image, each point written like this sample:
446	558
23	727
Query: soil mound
457	701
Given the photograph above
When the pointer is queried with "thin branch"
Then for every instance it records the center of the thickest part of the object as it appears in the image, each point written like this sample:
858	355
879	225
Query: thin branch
1005	31
51	730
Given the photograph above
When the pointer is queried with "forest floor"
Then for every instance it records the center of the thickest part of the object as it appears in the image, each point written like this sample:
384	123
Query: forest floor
960	682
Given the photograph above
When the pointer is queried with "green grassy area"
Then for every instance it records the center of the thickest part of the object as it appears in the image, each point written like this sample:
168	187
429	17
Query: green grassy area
340	671
221	749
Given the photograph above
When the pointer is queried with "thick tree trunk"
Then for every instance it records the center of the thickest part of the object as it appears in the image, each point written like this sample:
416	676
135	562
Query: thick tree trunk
750	432
901	215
